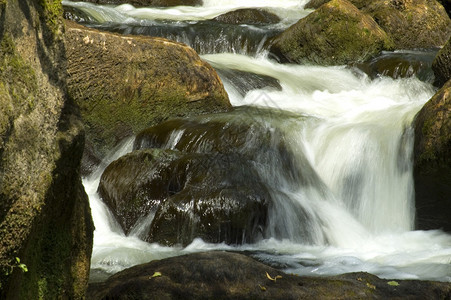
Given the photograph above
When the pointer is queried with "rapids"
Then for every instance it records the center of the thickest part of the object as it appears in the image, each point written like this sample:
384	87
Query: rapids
351	134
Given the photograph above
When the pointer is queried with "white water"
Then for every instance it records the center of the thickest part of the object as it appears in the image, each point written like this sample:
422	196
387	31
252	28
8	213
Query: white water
356	137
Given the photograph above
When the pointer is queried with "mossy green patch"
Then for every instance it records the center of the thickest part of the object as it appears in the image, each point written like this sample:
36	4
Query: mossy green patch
53	12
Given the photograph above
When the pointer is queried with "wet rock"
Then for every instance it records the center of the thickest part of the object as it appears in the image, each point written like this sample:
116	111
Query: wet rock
244	82
248	16
151	3
217	197
402	64
225	275
124	84
432	162
411	24
334	34
45	218
442	65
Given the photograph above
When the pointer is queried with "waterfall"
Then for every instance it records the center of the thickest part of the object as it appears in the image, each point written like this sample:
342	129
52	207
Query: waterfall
350	137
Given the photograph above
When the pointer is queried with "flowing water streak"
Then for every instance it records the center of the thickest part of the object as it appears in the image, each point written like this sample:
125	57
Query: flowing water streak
356	138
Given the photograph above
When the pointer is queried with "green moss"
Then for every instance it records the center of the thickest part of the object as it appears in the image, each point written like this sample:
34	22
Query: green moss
53	12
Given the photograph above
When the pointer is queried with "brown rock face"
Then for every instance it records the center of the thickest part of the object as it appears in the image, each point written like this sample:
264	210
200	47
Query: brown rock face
224	275
432	159
334	34
124	84
442	65
45	219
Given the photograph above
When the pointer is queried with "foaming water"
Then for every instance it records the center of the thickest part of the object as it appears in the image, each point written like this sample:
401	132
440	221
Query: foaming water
352	138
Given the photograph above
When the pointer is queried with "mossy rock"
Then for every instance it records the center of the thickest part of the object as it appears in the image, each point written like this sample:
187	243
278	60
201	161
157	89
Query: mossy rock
45	218
228	275
442	65
124	84
248	16
411	24
432	162
336	33
217	197
151	3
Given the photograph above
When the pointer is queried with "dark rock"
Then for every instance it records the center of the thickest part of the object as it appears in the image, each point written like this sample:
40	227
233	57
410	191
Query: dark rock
401	65
442	65
151	3
432	162
248	16
314	4
45	218
244	82
334	34
224	275
218	198
124	84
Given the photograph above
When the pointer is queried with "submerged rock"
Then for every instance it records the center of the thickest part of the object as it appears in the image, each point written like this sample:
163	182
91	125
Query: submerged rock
442	65
334	34
124	84
45	219
248	16
432	162
157	3
218	198
226	275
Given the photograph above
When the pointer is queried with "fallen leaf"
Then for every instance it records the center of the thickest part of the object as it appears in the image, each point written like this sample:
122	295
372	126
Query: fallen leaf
370	286
273	279
393	283
359	279
156	274
262	288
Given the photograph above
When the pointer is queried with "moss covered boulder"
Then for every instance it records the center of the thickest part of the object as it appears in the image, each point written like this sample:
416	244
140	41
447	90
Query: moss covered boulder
411	24
45	220
442	65
157	3
432	162
227	275
248	16
217	197
124	84
334	34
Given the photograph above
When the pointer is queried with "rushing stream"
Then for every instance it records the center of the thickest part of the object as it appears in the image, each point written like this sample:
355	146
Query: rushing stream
350	134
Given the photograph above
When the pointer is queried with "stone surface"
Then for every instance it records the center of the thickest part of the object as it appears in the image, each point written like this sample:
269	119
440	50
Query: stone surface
336	33
45	218
442	65
124	84
225	275
248	16
432	162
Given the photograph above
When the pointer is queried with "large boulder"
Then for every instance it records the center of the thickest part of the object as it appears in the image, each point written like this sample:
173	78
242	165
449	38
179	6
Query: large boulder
225	275
442	65
250	16
432	162
334	34
45	220
157	3
411	24
218	198
124	84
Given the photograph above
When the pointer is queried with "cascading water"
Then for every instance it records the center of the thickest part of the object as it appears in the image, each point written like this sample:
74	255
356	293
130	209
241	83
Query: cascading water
349	137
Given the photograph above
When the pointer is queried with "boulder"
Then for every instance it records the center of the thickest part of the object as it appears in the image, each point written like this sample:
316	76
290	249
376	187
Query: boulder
314	4
218	198
45	221
442	65
151	3
226	275
250	16
432	162
124	84
336	33
411	24
447	5
401	64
